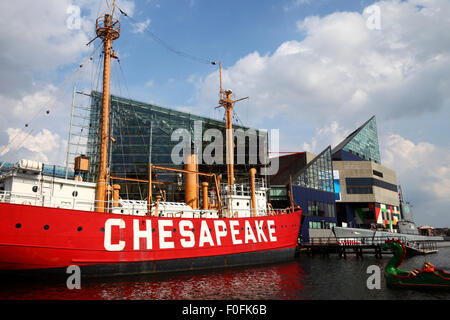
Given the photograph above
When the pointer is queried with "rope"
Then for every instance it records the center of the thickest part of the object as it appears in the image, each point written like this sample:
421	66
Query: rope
169	47
128	132
72	78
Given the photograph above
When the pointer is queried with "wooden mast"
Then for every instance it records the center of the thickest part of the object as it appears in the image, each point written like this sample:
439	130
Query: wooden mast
227	102
108	29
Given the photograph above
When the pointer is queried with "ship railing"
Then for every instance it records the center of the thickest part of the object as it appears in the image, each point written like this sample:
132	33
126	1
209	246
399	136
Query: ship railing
194	213
275	212
242	189
350	241
46	201
237	190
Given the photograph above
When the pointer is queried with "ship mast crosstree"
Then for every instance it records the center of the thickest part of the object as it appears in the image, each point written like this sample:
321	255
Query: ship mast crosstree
108	29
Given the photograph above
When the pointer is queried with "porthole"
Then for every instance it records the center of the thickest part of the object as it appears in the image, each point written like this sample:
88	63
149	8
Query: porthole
237	204
174	230
153	230
46	227
79	229
75	194
18	226
102	229
35	189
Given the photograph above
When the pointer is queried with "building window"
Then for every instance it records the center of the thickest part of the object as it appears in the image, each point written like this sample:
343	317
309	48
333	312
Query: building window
353	183
365	143
321	225
318	174
320	209
378	173
359	190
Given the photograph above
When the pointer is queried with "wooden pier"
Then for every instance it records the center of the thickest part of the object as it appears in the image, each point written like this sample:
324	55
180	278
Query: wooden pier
361	246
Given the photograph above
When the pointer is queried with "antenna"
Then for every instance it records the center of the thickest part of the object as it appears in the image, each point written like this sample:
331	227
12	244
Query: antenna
220	74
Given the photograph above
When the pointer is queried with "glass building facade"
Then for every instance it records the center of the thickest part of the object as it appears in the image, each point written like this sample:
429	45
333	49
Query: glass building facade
313	191
142	133
318	174
364	143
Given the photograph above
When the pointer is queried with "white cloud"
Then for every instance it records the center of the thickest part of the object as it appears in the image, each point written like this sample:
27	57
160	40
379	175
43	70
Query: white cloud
38	40
40	147
340	72
341	66
422	164
32	104
140	27
35	38
331	134
423	171
294	4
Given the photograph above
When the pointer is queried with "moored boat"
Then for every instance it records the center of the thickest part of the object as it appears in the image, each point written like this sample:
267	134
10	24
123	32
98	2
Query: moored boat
50	223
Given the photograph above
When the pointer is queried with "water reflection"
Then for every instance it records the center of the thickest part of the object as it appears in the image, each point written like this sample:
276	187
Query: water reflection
317	277
274	282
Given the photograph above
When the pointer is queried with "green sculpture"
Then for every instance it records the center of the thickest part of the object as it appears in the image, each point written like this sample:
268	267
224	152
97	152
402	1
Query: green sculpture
427	277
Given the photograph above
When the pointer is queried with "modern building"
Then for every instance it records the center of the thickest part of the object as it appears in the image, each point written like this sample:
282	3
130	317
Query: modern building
143	133
360	145
344	186
310	179
368	193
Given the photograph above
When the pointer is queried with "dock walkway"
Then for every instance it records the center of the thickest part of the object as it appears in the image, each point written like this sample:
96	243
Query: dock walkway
362	245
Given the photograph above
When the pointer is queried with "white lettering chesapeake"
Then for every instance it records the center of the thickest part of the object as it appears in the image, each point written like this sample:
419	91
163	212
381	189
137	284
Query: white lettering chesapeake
187	234
234	232
270	226
249	235
205	235
220	233
138	234
163	234
260	232
107	241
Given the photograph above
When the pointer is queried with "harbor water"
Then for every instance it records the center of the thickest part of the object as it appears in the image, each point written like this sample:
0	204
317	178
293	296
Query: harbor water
304	278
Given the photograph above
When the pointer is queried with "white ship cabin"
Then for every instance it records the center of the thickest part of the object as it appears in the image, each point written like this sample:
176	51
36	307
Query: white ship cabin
241	201
27	184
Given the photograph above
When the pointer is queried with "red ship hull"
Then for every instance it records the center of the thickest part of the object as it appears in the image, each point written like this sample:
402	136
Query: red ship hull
39	238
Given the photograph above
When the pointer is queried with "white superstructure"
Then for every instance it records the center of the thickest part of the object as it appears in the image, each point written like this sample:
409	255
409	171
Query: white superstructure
27	184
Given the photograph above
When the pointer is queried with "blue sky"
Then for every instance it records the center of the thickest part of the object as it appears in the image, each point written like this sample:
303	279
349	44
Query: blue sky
211	30
313	69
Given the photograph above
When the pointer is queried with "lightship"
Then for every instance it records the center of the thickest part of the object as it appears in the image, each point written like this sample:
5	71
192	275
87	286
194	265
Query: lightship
50	223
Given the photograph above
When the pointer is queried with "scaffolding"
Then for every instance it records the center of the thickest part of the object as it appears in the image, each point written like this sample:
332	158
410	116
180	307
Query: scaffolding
77	143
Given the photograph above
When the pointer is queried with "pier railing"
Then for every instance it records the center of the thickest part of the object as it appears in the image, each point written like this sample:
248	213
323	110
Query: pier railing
360	245
350	241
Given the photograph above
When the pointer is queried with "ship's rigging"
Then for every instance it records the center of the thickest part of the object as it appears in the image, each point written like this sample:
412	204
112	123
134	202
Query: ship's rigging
49	222
113	76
